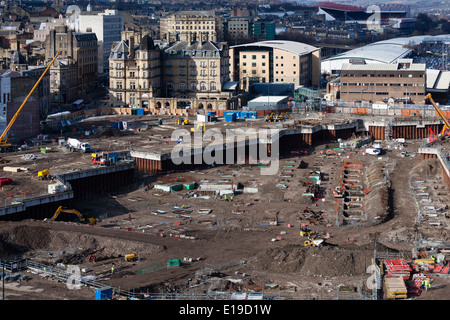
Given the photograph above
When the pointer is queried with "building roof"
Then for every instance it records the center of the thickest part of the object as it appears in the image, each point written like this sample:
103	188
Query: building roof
120	51
147	43
193	49
385	66
438	80
290	46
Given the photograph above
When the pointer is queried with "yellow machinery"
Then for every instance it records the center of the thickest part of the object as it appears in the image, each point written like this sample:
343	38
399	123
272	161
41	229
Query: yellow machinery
81	217
200	127
4	137
44	174
313	242
270	117
446	123
130	257
182	121
282	116
306	232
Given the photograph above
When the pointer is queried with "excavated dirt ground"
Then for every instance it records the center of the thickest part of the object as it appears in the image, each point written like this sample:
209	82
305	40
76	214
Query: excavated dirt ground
233	242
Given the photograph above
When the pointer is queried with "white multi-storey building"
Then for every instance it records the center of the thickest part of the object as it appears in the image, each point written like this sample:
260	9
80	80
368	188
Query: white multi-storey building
107	26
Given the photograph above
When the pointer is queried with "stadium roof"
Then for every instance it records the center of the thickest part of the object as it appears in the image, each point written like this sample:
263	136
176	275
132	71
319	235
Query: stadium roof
290	46
387	51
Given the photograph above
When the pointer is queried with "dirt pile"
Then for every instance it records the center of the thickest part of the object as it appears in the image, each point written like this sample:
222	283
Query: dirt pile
25	238
427	167
327	261
378	183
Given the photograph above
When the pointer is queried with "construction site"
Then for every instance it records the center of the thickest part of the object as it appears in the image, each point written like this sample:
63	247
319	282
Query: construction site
357	209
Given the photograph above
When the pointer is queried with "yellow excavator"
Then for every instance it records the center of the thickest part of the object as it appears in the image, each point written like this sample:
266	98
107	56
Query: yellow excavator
270	117
182	121
81	217
200	127
4	144
446	123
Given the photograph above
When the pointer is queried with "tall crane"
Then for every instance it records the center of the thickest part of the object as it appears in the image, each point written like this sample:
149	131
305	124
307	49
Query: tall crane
4	137
446	123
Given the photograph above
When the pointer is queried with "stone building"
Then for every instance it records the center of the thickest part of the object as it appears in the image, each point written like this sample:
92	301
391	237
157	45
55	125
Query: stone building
191	26
134	70
196	69
76	65
14	88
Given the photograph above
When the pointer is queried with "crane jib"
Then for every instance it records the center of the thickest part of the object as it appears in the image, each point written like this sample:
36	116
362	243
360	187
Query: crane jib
10	124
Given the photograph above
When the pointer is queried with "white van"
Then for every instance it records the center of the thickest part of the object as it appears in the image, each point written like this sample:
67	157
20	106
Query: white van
373	151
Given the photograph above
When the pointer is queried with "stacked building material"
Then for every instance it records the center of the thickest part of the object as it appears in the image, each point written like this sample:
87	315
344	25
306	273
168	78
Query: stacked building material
415	285
397	268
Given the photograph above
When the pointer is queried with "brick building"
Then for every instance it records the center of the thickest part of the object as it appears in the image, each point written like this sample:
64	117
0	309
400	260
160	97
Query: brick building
403	82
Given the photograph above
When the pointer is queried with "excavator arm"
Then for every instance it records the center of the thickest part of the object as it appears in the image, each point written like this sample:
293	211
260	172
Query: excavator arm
3	137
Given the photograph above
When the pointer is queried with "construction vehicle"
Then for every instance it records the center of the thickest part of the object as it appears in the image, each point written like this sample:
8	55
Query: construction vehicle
338	192
311	242
200	127
4	144
306	232
446	122
44	175
82	218
282	116
76	145
98	159
327	152
182	121
130	257
270	117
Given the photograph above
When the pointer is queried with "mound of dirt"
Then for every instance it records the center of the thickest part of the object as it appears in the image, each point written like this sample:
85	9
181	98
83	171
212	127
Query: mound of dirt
427	167
328	261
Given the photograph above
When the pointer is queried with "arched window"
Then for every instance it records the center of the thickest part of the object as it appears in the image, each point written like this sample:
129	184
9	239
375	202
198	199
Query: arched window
193	86
202	86
213	86
183	86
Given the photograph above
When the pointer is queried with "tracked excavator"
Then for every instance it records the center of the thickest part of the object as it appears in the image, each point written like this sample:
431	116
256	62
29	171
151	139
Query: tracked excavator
338	192
82	218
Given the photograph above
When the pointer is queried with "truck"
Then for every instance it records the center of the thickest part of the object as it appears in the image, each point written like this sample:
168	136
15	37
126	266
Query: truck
76	145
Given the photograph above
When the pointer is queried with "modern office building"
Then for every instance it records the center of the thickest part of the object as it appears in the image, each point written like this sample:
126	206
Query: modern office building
275	62
107	26
401	82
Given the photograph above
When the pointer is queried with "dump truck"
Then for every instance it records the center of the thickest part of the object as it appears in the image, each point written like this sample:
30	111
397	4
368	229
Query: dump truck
76	145
44	174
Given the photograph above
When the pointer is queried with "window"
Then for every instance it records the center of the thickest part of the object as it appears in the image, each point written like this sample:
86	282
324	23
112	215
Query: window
182	86
253	57
213	86
202	86
193	86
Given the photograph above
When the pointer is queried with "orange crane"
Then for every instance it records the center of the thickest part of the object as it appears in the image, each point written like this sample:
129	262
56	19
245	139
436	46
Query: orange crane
338	192
446	123
4	137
